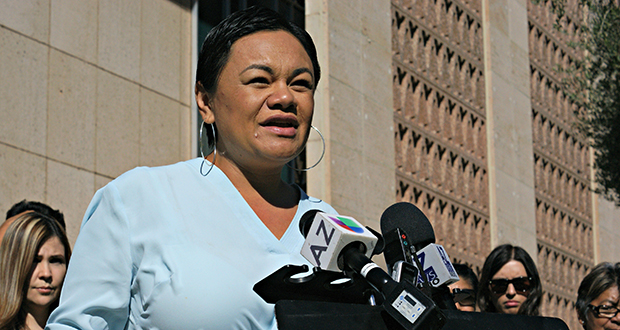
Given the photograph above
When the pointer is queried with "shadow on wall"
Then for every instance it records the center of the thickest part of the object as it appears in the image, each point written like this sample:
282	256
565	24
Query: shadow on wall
185	4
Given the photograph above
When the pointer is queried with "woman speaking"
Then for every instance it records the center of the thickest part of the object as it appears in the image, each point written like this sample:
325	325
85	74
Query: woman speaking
181	246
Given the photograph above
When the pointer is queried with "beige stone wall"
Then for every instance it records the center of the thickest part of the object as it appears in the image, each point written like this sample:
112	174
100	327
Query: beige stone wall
608	232
89	90
509	132
353	107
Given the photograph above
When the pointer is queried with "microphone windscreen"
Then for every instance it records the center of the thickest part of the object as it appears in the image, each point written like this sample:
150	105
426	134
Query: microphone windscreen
306	221
409	218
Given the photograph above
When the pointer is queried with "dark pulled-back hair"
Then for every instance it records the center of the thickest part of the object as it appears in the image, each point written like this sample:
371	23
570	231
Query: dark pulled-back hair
467	274
500	256
38	207
215	50
602	277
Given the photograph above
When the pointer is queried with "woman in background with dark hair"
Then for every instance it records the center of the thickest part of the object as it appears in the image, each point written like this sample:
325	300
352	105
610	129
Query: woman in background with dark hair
464	290
181	246
34	255
598	298
509	282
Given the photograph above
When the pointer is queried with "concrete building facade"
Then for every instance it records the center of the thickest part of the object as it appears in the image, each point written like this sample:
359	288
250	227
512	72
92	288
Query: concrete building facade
452	105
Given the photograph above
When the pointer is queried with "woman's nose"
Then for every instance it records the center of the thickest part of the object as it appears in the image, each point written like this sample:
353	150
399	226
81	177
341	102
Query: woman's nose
282	98
510	291
44	270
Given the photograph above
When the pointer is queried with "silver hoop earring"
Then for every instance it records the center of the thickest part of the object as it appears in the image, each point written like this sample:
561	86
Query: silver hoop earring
202	153
320	159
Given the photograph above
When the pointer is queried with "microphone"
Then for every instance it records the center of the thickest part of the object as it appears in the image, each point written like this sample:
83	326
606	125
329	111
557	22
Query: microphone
398	256
335	242
410	219
328	235
398	247
423	253
437	266
396	223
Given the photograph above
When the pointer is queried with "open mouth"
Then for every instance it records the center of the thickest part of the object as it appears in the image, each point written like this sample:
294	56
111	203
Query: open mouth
281	126
284	123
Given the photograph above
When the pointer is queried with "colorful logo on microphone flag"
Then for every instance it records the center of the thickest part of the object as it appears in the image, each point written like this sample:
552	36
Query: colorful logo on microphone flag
348	224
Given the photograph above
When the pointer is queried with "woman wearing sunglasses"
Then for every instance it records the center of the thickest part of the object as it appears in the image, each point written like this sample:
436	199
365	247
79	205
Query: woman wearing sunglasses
509	282
598	297
465	289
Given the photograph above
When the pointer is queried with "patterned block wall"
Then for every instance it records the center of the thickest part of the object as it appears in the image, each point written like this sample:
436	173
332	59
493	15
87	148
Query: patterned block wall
562	165
439	117
440	138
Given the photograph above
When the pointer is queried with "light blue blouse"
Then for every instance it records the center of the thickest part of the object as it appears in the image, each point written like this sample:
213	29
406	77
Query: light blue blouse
166	248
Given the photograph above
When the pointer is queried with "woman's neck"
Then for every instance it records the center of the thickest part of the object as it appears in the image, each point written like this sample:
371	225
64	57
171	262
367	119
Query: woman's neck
266	182
36	319
272	200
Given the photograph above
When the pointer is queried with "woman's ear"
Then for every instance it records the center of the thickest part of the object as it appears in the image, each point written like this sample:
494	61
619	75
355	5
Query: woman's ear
204	104
580	318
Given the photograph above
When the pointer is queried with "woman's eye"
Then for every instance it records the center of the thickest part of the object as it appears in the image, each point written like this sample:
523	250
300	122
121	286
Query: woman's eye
57	260
259	80
303	83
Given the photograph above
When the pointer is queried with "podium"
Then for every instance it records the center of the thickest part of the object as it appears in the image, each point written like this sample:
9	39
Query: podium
312	315
325	300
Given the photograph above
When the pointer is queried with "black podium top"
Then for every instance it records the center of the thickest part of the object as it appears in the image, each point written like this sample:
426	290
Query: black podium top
314	315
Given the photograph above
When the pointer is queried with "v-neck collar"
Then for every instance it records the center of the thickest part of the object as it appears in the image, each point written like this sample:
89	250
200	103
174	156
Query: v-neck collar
290	241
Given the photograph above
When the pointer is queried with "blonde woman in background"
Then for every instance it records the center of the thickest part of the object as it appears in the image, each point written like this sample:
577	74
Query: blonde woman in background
33	261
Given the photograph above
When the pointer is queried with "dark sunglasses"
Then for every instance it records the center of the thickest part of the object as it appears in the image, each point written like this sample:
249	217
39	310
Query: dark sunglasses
522	285
465	297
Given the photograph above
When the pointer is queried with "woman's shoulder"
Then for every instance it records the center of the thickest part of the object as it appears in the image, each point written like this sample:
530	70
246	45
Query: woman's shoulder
143	185
147	188
145	174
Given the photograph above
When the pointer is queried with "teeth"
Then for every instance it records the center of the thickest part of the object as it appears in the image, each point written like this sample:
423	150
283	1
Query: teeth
280	124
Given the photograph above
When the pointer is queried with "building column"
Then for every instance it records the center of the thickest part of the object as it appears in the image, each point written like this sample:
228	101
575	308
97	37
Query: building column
353	107
509	124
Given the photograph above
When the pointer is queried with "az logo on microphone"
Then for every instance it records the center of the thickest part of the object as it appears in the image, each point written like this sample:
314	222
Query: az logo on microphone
329	234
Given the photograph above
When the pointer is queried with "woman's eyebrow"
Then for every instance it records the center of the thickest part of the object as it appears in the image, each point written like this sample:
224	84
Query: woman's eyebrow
258	67
270	70
302	70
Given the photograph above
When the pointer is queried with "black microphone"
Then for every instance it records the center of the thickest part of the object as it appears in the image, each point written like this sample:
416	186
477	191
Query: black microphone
425	255
410	219
399	247
403	301
306	221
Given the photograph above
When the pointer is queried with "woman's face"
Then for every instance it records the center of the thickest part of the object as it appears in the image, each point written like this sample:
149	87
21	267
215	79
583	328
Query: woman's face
264	100
469	304
609	297
49	268
511	300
